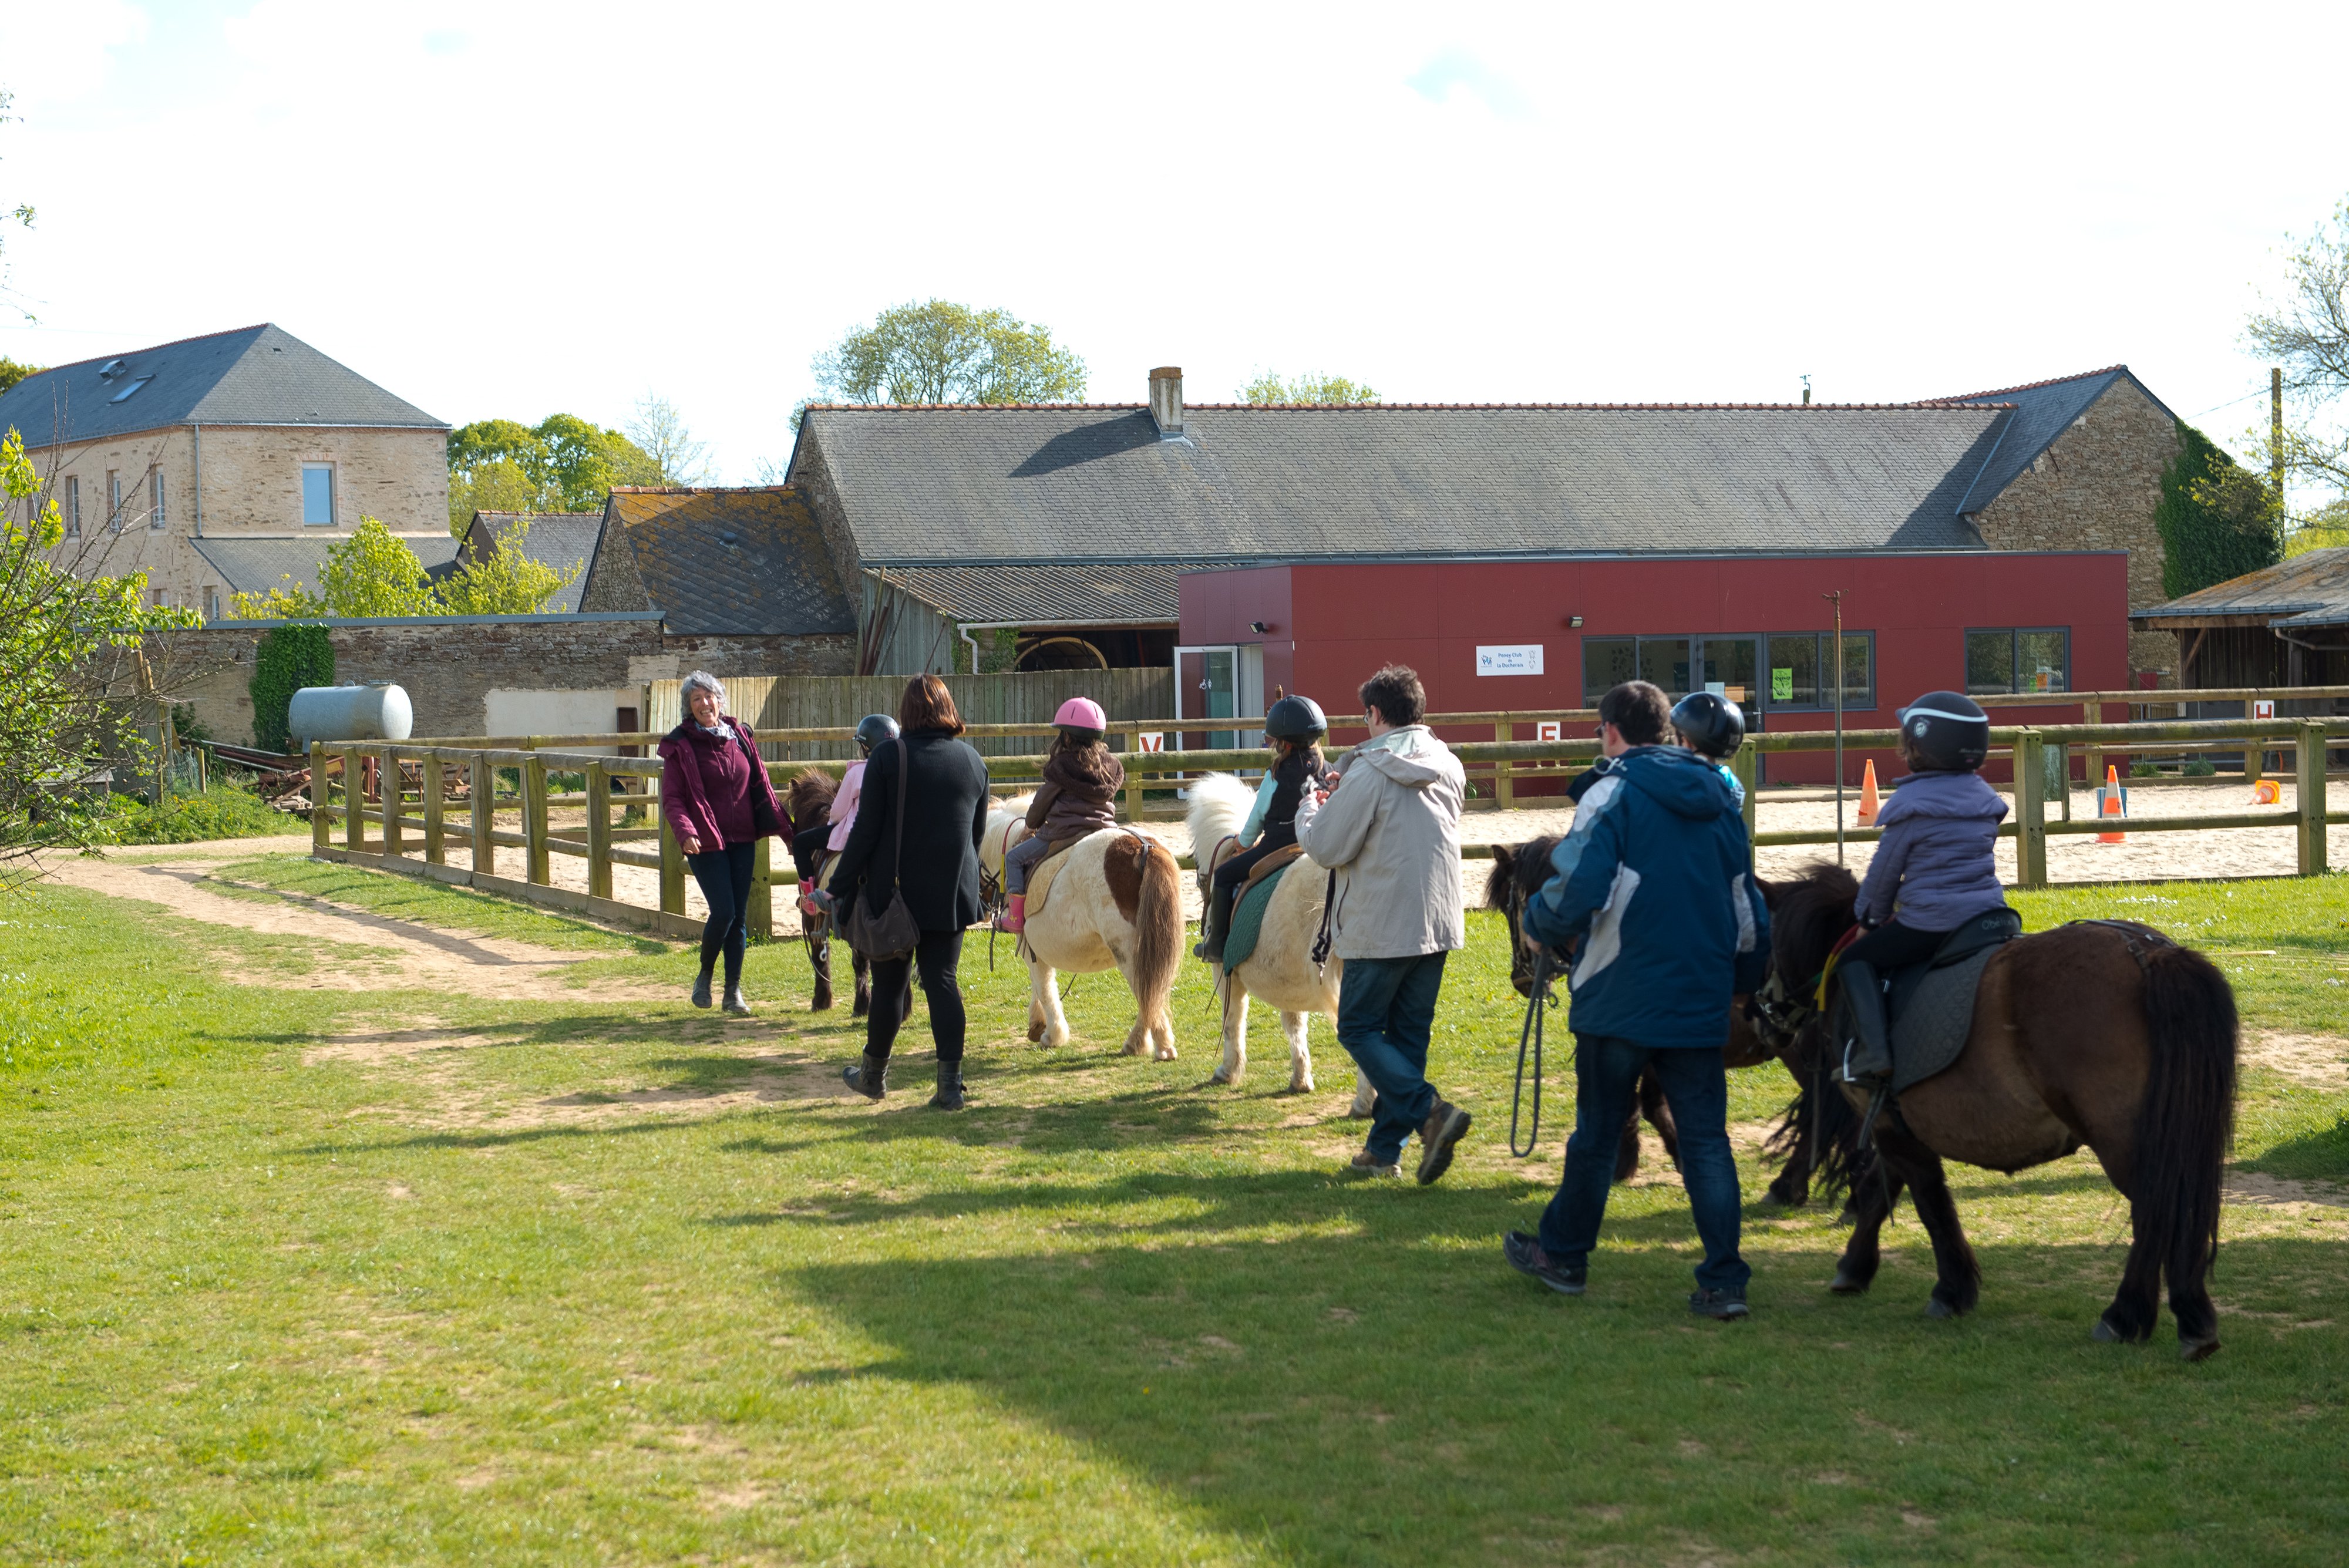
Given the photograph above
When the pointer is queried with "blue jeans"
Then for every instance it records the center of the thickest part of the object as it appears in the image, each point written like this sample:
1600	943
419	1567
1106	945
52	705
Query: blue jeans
1386	1011
725	878
1607	1078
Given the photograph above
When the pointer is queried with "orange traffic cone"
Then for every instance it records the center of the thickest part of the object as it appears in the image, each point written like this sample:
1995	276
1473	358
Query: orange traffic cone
1867	794
2112	809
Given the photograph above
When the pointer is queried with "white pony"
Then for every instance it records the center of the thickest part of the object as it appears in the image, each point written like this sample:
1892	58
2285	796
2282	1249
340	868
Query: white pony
1116	902
1281	969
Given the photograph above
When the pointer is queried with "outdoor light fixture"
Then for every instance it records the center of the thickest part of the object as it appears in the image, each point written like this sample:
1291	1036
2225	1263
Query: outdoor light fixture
1574	620
1259	627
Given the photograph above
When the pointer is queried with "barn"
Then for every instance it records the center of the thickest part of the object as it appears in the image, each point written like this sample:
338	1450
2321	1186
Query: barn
1524	557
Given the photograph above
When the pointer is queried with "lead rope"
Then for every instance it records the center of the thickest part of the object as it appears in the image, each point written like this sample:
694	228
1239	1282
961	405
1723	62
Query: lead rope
1540	1001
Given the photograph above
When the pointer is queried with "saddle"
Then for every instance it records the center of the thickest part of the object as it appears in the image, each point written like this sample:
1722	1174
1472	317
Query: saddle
1930	1007
1042	876
1270	866
1250	902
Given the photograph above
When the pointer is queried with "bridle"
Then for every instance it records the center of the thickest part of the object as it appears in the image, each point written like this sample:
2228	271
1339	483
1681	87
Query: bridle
1540	999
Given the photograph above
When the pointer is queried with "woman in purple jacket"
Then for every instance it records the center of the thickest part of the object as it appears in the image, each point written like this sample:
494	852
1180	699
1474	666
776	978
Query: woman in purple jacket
1933	869
719	802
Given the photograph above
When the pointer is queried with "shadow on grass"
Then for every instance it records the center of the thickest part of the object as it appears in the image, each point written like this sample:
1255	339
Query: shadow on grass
1359	1399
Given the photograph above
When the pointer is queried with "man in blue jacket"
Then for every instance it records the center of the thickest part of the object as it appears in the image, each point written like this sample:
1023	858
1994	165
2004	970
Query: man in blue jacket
1652	897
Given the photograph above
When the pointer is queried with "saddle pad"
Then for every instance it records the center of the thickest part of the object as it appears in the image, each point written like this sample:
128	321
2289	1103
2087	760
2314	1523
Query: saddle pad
1041	879
1933	1022
1248	917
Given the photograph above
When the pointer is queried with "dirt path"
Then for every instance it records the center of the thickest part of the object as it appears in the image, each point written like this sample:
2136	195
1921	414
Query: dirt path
400	954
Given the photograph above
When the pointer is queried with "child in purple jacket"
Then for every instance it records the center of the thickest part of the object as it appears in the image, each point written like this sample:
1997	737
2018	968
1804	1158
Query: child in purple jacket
1933	869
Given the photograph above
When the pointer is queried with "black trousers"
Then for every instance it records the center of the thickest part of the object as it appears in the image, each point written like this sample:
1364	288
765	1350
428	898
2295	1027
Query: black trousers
1234	871
725	878
934	957
1892	945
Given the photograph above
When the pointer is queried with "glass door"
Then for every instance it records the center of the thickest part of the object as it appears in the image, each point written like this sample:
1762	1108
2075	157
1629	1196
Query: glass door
1207	686
1730	666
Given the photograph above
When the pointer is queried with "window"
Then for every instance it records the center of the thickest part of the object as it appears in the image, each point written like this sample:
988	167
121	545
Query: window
318	494
155	498
1606	663
124	396
2019	659
1798	667
114	500
1792	678
73	506
212	602
160	600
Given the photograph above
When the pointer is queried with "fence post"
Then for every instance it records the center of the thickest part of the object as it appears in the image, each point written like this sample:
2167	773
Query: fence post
1745	763
672	867
2254	753
436	841
533	820
2308	760
599	832
759	917
388	769
2094	713
2030	810
354	802
481	785
1505	786
2059	776
322	826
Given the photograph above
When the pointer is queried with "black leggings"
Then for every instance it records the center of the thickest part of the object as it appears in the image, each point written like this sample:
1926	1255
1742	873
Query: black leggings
936	957
725	878
1892	945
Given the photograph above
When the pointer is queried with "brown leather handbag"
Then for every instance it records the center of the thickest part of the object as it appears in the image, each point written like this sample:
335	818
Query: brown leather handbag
892	933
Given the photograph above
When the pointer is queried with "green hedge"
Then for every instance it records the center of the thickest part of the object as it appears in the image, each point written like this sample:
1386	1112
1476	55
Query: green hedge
289	658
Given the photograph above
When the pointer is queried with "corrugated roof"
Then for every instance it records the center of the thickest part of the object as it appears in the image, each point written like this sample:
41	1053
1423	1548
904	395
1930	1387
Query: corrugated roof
744	561
563	541
2308	589
252	376
957	486
1072	593
255	565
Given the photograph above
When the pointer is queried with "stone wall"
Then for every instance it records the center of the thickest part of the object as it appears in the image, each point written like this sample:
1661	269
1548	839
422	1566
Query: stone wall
2094	488
252	489
450	666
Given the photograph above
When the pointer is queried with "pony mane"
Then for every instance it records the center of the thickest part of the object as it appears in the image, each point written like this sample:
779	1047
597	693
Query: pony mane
1807	913
1219	806
1526	864
811	789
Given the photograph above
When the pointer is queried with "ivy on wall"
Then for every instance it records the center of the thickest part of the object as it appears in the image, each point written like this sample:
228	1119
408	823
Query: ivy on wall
2218	520
289	658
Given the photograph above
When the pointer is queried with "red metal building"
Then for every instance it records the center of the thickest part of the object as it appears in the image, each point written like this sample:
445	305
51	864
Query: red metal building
1530	634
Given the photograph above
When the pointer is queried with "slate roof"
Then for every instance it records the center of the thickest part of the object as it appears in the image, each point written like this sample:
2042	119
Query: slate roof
743	561
2043	411
2310	589
561	540
254	565
1072	593
254	376
956	487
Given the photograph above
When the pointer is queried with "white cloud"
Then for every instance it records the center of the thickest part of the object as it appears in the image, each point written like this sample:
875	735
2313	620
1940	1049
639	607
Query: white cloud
59	53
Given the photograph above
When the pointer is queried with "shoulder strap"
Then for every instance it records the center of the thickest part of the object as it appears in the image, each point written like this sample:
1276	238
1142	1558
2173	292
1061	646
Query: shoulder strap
897	858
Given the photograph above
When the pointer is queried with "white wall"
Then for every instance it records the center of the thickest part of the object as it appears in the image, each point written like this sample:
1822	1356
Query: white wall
590	712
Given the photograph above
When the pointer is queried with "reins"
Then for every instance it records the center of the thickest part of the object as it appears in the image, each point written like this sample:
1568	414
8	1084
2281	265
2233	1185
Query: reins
1538	1000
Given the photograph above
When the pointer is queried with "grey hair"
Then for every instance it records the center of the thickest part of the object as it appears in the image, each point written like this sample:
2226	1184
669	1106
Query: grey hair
701	678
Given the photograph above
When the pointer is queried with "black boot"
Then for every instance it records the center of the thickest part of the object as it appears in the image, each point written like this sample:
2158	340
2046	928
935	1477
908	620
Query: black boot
701	988
870	1077
949	1094
1868	1055
1218	924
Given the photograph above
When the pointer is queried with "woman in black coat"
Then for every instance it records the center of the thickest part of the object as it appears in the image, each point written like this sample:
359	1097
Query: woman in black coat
942	781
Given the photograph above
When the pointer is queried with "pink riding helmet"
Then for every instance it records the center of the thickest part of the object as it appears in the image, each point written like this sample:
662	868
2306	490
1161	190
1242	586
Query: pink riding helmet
1081	713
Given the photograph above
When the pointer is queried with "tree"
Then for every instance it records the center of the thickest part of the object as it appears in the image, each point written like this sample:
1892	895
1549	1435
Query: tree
75	683
563	464
2307	333
1269	387
23	215
2217	519
288	658
658	431
940	352
2326	528
505	581
11	373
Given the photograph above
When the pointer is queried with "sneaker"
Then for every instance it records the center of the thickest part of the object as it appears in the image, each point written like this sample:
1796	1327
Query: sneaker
1446	1125
1719	1305
1525	1256
1368	1164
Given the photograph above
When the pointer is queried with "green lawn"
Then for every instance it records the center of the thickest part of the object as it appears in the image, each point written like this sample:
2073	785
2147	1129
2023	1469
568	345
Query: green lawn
301	1275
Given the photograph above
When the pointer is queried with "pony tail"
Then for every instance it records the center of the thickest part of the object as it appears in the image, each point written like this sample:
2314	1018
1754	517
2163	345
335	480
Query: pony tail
2185	1122
1157	935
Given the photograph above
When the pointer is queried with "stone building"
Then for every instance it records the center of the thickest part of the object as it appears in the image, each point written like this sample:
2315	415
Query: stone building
227	462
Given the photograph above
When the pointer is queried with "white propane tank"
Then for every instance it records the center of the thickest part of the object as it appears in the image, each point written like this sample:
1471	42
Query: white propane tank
379	710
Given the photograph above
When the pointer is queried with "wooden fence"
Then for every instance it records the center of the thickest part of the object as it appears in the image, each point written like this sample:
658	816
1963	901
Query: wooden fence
417	840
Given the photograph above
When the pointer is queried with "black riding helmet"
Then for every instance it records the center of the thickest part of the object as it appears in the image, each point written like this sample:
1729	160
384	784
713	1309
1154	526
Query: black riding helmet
1947	733
1296	719
872	729
1713	724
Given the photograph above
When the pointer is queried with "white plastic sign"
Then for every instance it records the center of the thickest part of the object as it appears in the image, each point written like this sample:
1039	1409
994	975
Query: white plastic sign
1509	659
1151	741
1548	730
2262	707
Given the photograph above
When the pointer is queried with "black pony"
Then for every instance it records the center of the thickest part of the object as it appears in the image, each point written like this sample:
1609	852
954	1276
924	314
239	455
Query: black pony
808	801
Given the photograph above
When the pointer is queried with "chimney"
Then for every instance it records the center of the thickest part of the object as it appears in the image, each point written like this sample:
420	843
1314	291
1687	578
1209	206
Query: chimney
1166	401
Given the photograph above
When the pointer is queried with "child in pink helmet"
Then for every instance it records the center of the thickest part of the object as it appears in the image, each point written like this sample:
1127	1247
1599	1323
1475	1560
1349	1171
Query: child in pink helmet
1079	797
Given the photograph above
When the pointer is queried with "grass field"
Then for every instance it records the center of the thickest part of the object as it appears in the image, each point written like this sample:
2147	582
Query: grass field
382	1274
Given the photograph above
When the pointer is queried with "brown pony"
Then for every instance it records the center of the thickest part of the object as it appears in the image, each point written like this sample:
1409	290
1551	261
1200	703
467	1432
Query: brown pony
2101	1032
808	801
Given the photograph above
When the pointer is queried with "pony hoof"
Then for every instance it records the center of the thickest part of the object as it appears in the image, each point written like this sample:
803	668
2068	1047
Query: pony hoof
2196	1349
1848	1284
1216	1079
2107	1332
1938	1309
1035	1032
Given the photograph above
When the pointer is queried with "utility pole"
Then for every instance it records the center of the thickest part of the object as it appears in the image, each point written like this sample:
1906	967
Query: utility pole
2275	434
1836	599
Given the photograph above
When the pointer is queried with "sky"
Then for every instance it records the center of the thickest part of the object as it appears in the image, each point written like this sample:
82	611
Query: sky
504	210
